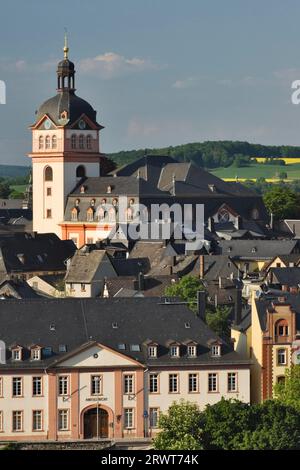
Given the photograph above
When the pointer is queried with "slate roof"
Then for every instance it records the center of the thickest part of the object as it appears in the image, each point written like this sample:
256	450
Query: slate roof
25	252
216	266
17	290
256	249
87	266
75	322
265	302
151	180
285	276
66	101
152	286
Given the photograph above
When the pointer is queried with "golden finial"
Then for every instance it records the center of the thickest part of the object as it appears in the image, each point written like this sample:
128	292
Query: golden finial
66	47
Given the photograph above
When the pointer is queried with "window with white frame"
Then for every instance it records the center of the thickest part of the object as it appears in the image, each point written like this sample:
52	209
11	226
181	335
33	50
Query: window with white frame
37	388
96	384
174	350
153	383
37	420
73	141
16	354
193	383
191	350
17	421
173	383
128	418
63	420
1	421
153	417
63	385
281	357
216	350
152	351
35	354
17	387
128	384
232	382
212	382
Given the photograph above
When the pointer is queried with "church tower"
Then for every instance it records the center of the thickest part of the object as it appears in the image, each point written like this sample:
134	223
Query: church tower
65	149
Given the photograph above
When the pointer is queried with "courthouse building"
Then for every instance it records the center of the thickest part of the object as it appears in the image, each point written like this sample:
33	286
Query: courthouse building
82	368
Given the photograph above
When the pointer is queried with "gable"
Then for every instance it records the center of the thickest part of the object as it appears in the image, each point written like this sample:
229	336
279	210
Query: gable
98	356
40	125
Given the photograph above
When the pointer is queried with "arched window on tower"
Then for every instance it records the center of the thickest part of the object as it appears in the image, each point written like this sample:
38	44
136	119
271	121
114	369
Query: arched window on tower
48	173
73	141
89	142
54	142
41	142
47	142
80	171
281	328
81	141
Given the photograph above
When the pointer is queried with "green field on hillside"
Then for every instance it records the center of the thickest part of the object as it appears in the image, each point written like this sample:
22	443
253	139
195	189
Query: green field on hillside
258	171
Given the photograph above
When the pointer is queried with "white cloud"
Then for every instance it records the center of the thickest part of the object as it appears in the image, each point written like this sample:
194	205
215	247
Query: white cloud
111	64
185	83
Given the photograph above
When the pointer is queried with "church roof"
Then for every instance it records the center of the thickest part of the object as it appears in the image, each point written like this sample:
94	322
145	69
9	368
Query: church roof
66	101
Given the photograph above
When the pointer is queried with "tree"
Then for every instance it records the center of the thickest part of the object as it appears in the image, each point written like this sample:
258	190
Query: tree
233	425
180	428
288	392
282	175
282	201
4	190
186	289
275	426
218	320
229	425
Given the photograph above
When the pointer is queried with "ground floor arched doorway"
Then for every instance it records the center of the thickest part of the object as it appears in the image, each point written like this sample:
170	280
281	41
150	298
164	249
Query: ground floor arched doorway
95	423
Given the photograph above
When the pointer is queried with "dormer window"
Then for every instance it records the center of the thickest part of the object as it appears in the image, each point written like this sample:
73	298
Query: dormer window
36	354
16	354
90	215
216	350
21	257
152	351
254	250
82	189
192	350
174	350
108	189
74	214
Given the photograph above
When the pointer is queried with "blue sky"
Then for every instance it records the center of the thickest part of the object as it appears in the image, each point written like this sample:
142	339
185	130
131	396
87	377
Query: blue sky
159	72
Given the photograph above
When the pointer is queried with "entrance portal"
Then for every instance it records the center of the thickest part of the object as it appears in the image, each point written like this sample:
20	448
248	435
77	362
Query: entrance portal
91	419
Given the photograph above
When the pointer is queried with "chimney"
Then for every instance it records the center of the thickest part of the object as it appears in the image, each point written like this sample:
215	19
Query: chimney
220	282
238	222
211	224
237	306
201	304
201	266
141	281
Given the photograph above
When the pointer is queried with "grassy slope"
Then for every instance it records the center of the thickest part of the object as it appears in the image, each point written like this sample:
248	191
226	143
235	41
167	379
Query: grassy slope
258	171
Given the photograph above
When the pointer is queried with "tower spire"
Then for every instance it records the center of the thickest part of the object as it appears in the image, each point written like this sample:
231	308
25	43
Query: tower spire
66	47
